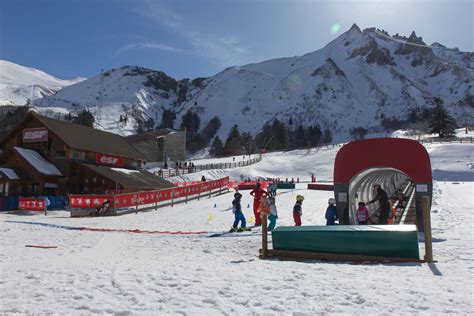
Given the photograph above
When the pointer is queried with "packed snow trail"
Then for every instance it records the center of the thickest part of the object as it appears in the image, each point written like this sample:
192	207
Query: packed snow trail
127	273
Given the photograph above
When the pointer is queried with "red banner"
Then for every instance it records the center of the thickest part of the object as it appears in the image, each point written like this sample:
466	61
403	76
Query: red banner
32	204
109	160
148	197
89	201
31	135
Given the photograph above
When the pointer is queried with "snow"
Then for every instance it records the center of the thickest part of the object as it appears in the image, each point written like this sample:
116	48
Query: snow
19	83
10	173
126	171
130	273
38	162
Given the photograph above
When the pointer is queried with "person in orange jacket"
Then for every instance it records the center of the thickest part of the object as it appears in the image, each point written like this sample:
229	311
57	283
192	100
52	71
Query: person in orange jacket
257	194
391	215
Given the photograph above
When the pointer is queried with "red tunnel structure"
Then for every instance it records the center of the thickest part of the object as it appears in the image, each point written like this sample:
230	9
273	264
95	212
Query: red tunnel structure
387	161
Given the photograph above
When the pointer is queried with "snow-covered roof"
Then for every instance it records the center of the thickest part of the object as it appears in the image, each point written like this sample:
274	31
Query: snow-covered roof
38	162
10	173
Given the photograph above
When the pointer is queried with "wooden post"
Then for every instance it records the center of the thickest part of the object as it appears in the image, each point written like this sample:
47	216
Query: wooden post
427	228
115	199
263	255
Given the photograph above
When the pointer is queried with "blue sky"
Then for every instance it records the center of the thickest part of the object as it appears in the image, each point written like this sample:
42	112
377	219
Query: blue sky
193	38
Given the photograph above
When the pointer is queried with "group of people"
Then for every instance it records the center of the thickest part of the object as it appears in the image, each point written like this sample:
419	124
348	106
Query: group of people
265	203
362	213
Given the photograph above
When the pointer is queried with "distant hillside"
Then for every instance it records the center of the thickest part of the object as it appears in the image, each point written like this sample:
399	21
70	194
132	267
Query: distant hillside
19	84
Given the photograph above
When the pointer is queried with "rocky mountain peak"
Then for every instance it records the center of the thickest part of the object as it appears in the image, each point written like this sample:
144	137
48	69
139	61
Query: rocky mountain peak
355	28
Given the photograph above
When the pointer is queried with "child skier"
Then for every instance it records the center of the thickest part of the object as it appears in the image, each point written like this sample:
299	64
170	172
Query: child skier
331	212
273	214
238	214
362	214
298	210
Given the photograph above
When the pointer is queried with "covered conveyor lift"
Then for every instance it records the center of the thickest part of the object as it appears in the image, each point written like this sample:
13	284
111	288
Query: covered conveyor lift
391	162
395	164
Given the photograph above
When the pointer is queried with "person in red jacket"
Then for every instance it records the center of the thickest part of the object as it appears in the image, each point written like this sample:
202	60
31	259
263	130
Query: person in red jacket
257	194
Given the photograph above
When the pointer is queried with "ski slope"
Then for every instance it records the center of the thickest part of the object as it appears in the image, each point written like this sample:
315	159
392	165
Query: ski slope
130	273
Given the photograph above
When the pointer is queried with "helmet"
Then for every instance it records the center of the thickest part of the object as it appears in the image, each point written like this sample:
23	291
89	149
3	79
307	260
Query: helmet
332	201
299	198
237	195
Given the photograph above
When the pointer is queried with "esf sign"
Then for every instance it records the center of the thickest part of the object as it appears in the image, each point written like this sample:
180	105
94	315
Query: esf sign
108	160
31	135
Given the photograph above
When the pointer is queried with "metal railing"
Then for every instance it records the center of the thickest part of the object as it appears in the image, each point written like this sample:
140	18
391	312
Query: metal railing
436	140
173	172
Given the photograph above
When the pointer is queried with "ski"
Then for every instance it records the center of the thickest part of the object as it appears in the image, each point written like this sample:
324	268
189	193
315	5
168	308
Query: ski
219	234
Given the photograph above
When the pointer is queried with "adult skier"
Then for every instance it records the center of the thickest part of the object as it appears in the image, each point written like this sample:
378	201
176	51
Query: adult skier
382	197
257	194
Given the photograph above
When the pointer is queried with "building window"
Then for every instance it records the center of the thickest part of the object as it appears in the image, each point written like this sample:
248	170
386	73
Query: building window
76	154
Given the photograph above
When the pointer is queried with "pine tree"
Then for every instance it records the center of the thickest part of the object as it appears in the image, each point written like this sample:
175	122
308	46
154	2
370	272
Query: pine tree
280	135
210	130
300	137
233	144
440	122
217	148
167	118
248	143
191	122
85	118
358	132
327	136
264	139
314	135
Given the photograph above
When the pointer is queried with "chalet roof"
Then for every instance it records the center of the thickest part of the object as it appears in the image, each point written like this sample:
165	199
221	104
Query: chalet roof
86	138
139	179
37	161
9	173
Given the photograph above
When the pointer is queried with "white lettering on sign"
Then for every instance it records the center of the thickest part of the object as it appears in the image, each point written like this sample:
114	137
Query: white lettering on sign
35	134
108	160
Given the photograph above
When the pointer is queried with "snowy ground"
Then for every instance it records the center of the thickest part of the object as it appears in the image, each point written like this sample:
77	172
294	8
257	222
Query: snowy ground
130	273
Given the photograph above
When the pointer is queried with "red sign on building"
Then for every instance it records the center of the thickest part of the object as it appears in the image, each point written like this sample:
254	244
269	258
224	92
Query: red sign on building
109	160
39	134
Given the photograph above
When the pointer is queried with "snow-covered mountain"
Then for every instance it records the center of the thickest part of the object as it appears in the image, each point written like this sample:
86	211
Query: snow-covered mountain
359	79
18	84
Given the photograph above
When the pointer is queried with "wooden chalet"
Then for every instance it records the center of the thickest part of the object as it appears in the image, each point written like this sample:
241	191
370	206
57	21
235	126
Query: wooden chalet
42	155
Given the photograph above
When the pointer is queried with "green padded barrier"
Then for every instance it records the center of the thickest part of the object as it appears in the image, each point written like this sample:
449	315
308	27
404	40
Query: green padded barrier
285	185
397	241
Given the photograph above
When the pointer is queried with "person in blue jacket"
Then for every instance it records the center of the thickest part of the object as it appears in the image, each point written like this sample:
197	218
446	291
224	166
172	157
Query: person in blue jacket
331	212
238	214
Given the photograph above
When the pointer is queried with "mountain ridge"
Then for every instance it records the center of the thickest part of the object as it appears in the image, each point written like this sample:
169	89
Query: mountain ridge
359	79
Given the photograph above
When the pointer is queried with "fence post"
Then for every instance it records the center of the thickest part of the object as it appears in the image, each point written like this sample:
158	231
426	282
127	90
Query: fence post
115	202
136	201
427	228
264	236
